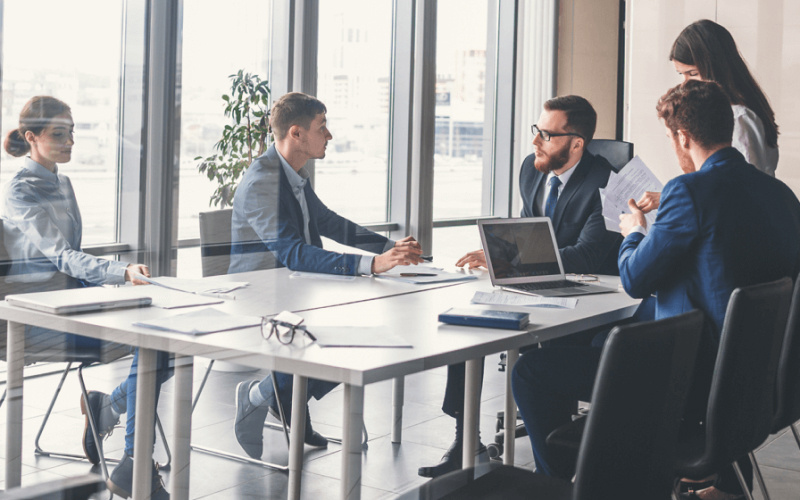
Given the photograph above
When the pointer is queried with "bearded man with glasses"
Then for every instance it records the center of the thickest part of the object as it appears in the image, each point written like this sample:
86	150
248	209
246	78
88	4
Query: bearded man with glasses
560	180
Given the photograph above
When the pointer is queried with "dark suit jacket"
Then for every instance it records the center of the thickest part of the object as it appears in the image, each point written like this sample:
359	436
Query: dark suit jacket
725	226
583	241
267	226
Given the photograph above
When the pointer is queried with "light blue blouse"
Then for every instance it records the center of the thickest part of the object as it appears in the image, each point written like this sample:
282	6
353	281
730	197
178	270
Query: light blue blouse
42	230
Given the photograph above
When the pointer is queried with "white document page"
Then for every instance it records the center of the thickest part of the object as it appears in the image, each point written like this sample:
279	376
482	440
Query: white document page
422	274
355	336
321	276
518	299
631	182
197	322
173	299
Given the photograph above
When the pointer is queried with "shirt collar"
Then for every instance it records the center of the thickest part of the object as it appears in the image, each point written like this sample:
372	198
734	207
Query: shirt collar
297	179
39	170
564	177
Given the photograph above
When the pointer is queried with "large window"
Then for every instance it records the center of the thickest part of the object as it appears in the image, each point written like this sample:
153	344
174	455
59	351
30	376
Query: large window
216	43
353	80
52	47
463	147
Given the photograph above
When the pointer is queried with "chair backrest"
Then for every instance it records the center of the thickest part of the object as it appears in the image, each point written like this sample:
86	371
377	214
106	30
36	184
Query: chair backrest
618	153
628	445
787	407
741	399
215	241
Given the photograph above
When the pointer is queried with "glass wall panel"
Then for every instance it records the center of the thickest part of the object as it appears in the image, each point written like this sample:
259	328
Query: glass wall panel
463	132
217	42
52	47
354	68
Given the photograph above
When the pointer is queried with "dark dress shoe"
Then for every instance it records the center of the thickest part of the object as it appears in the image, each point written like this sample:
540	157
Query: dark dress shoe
452	460
311	437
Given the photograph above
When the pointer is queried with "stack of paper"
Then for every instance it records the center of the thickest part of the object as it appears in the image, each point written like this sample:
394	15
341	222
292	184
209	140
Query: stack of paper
518	299
631	182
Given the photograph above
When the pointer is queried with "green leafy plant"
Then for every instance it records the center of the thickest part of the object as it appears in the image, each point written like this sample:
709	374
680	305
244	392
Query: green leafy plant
245	138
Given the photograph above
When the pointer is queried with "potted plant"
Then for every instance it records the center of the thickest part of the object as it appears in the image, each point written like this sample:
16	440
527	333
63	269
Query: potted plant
245	138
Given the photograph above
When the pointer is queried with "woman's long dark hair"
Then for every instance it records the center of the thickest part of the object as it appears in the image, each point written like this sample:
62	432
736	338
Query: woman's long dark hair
711	48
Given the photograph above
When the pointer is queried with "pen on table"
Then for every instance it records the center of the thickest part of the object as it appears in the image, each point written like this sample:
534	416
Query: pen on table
428	258
411	275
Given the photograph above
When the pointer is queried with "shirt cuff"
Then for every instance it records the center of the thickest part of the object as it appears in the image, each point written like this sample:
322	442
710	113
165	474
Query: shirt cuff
115	275
639	229
365	264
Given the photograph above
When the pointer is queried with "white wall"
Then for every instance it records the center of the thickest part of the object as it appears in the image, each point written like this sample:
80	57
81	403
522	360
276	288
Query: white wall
767	33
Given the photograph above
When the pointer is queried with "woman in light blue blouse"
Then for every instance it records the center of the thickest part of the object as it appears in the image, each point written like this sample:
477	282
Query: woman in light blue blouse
42	233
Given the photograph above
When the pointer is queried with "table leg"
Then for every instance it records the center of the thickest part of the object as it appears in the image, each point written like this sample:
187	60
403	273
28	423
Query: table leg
182	426
510	418
472	405
398	395
351	442
297	436
15	362
145	424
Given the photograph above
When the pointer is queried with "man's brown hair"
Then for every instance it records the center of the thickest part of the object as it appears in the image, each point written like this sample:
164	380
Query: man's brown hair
701	109
294	108
581	116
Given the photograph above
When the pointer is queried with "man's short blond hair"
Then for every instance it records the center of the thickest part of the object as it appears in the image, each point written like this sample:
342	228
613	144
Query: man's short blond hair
294	108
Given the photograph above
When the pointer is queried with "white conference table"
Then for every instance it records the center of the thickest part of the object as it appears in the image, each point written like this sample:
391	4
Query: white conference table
387	306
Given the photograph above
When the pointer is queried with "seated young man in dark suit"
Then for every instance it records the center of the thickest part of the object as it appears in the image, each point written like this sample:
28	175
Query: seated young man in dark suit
721	225
279	221
560	180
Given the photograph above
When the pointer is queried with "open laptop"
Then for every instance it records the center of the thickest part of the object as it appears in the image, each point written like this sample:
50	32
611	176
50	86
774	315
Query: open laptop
522	256
77	300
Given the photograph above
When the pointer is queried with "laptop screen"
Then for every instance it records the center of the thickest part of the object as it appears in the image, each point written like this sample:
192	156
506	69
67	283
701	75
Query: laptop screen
520	250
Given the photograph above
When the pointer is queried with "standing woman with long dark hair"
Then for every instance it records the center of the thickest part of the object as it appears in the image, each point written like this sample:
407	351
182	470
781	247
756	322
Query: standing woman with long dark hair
706	51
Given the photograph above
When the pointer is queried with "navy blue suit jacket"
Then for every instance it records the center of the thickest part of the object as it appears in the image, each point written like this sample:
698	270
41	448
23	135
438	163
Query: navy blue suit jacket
725	226
583	241
267	226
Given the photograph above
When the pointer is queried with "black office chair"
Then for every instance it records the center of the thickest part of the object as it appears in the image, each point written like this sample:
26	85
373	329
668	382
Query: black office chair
787	411
628	449
618	153
44	352
743	379
741	399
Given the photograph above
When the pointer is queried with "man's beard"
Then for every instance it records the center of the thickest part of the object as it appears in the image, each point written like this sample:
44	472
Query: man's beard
554	161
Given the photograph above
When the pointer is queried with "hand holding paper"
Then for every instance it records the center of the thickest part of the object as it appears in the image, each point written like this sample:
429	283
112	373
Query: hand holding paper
634	181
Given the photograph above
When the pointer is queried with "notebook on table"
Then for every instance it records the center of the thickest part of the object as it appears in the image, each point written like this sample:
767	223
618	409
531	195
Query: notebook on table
522	256
77	300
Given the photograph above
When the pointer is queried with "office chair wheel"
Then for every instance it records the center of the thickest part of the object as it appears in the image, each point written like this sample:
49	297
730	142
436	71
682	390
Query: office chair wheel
499	424
494	450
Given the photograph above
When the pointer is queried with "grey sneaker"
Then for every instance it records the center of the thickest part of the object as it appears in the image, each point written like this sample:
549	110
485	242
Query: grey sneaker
121	480
99	406
249	424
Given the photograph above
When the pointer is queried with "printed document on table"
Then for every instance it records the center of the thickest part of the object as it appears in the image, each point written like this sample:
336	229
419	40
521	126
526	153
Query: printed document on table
422	274
322	276
174	299
196	285
197	322
518	299
631	182
355	336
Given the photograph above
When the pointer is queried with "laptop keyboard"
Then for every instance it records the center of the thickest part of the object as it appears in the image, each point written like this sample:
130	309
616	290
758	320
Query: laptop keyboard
545	285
